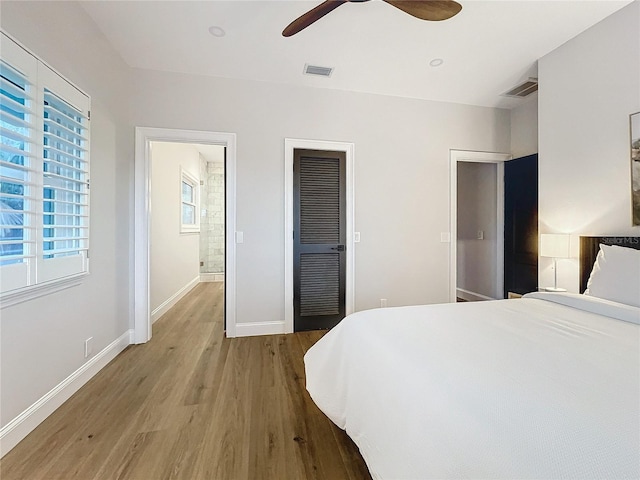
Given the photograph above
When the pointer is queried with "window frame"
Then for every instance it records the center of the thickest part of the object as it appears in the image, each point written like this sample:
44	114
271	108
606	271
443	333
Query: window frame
194	183
38	274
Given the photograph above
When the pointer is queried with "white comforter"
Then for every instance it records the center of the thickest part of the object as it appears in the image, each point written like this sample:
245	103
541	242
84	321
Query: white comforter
509	389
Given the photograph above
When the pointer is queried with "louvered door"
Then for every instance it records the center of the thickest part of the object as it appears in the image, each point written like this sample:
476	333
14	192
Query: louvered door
319	239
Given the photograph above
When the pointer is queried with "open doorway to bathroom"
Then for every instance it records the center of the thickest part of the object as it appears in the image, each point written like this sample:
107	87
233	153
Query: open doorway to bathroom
145	137
187	221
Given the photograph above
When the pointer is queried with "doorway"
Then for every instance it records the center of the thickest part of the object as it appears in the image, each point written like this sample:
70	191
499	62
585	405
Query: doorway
491	237
349	254
142	222
187	236
477	231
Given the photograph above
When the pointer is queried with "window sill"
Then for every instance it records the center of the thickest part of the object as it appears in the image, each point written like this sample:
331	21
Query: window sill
35	291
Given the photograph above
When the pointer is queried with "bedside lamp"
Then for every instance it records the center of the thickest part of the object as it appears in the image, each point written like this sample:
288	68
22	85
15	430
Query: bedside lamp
554	245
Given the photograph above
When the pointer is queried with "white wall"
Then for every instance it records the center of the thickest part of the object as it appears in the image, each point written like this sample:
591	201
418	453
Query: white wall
588	88
42	341
174	256
401	176
477	210
524	128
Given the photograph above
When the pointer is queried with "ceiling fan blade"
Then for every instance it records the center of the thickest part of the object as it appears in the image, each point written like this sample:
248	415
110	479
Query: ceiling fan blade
433	10
311	16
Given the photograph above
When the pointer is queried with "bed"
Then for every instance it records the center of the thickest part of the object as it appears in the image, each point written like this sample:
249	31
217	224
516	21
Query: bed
545	387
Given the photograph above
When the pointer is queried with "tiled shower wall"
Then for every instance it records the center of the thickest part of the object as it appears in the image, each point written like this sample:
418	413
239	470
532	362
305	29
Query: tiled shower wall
212	217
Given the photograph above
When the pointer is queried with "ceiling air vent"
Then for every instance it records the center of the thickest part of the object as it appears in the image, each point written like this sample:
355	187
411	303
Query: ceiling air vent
524	89
316	70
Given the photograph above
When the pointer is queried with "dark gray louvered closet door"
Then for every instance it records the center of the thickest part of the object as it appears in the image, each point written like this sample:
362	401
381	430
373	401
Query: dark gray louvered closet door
319	261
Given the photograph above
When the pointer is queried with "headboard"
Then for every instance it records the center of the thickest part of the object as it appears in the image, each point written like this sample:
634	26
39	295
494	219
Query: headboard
589	248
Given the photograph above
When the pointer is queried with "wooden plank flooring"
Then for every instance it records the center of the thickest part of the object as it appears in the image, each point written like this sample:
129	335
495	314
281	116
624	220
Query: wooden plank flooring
192	404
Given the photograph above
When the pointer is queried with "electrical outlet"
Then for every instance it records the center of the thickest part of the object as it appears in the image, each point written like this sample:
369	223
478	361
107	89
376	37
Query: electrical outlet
88	347
383	302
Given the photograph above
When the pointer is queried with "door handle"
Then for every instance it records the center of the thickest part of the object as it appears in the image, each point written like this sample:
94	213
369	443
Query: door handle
339	248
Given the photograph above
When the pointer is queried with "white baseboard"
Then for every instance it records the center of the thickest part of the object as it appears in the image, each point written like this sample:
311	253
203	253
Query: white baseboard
173	299
259	328
471	296
212	277
18	428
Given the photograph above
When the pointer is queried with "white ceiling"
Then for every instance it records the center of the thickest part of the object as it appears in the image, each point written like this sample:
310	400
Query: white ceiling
487	49
211	153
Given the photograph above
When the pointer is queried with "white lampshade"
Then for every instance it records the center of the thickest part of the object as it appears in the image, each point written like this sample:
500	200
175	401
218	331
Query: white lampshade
554	245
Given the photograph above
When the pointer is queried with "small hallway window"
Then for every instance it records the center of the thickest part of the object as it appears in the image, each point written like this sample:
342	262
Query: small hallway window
189	218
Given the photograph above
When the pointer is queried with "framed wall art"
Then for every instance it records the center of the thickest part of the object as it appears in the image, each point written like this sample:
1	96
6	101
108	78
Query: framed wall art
634	120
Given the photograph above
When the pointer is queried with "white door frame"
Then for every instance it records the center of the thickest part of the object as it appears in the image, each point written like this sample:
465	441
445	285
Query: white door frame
349	149
142	190
479	157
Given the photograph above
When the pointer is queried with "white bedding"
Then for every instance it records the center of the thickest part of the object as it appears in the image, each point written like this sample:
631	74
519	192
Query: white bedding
526	388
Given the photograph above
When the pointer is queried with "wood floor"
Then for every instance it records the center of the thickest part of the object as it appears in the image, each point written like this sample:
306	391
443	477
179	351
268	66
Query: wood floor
192	404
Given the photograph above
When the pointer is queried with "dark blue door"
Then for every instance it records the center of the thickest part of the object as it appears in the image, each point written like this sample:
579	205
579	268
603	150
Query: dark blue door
521	225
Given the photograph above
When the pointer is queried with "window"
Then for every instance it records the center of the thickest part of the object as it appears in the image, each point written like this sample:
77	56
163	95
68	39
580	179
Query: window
44	174
189	218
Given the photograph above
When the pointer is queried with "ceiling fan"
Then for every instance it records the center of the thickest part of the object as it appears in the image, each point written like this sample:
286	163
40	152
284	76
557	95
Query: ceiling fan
433	10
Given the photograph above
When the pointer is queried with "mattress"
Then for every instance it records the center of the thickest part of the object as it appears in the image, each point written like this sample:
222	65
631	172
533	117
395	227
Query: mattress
545	387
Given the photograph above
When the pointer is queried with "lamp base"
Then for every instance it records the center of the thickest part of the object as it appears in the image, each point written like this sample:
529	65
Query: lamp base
554	289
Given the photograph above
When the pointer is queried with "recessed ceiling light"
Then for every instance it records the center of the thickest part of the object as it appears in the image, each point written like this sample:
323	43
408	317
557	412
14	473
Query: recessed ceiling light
436	62
217	31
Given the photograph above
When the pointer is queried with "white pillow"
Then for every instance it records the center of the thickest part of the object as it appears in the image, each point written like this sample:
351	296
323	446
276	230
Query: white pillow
616	275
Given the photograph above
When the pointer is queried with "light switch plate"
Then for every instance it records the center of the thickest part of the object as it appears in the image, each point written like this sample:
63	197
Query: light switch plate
239	237
356	237
445	237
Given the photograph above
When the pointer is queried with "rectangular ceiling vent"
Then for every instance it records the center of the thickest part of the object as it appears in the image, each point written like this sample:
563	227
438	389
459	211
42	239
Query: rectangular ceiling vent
524	89
316	70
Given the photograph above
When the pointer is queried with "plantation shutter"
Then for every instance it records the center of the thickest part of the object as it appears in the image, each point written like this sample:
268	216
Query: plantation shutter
18	166
44	173
65	187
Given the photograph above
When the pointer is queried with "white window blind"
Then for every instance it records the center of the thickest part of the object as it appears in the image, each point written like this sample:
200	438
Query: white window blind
44	169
